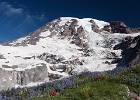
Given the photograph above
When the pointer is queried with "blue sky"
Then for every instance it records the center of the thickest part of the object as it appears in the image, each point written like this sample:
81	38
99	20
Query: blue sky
19	17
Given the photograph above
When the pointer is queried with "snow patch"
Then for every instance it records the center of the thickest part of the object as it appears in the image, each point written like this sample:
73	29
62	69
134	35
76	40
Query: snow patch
100	24
45	34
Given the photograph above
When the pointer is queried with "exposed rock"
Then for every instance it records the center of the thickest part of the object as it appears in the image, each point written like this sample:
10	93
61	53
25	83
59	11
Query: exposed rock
107	28
27	57
78	69
50	58
1	56
54	76
130	50
14	66
53	68
111	55
95	27
10	78
107	62
116	60
5	66
120	27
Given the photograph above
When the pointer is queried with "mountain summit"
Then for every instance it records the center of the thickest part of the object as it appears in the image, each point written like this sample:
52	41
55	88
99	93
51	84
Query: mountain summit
68	46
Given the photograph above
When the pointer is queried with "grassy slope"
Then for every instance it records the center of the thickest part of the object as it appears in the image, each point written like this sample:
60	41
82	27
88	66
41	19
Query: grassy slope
101	90
106	88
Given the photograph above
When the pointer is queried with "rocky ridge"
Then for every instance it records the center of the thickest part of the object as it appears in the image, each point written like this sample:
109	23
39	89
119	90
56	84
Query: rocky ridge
120	27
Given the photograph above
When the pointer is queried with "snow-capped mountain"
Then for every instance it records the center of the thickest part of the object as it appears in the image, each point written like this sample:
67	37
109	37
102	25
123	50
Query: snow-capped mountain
64	47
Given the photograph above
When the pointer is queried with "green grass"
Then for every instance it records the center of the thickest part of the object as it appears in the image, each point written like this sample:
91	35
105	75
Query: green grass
108	88
91	90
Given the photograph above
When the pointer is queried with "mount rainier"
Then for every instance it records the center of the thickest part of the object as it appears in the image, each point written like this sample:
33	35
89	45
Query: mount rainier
67	46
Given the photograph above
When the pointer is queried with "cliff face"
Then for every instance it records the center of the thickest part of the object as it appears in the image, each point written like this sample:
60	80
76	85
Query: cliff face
10	78
67	46
130	47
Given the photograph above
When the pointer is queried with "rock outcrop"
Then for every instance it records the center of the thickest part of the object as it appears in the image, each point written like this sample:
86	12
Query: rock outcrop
120	27
130	47
10	78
